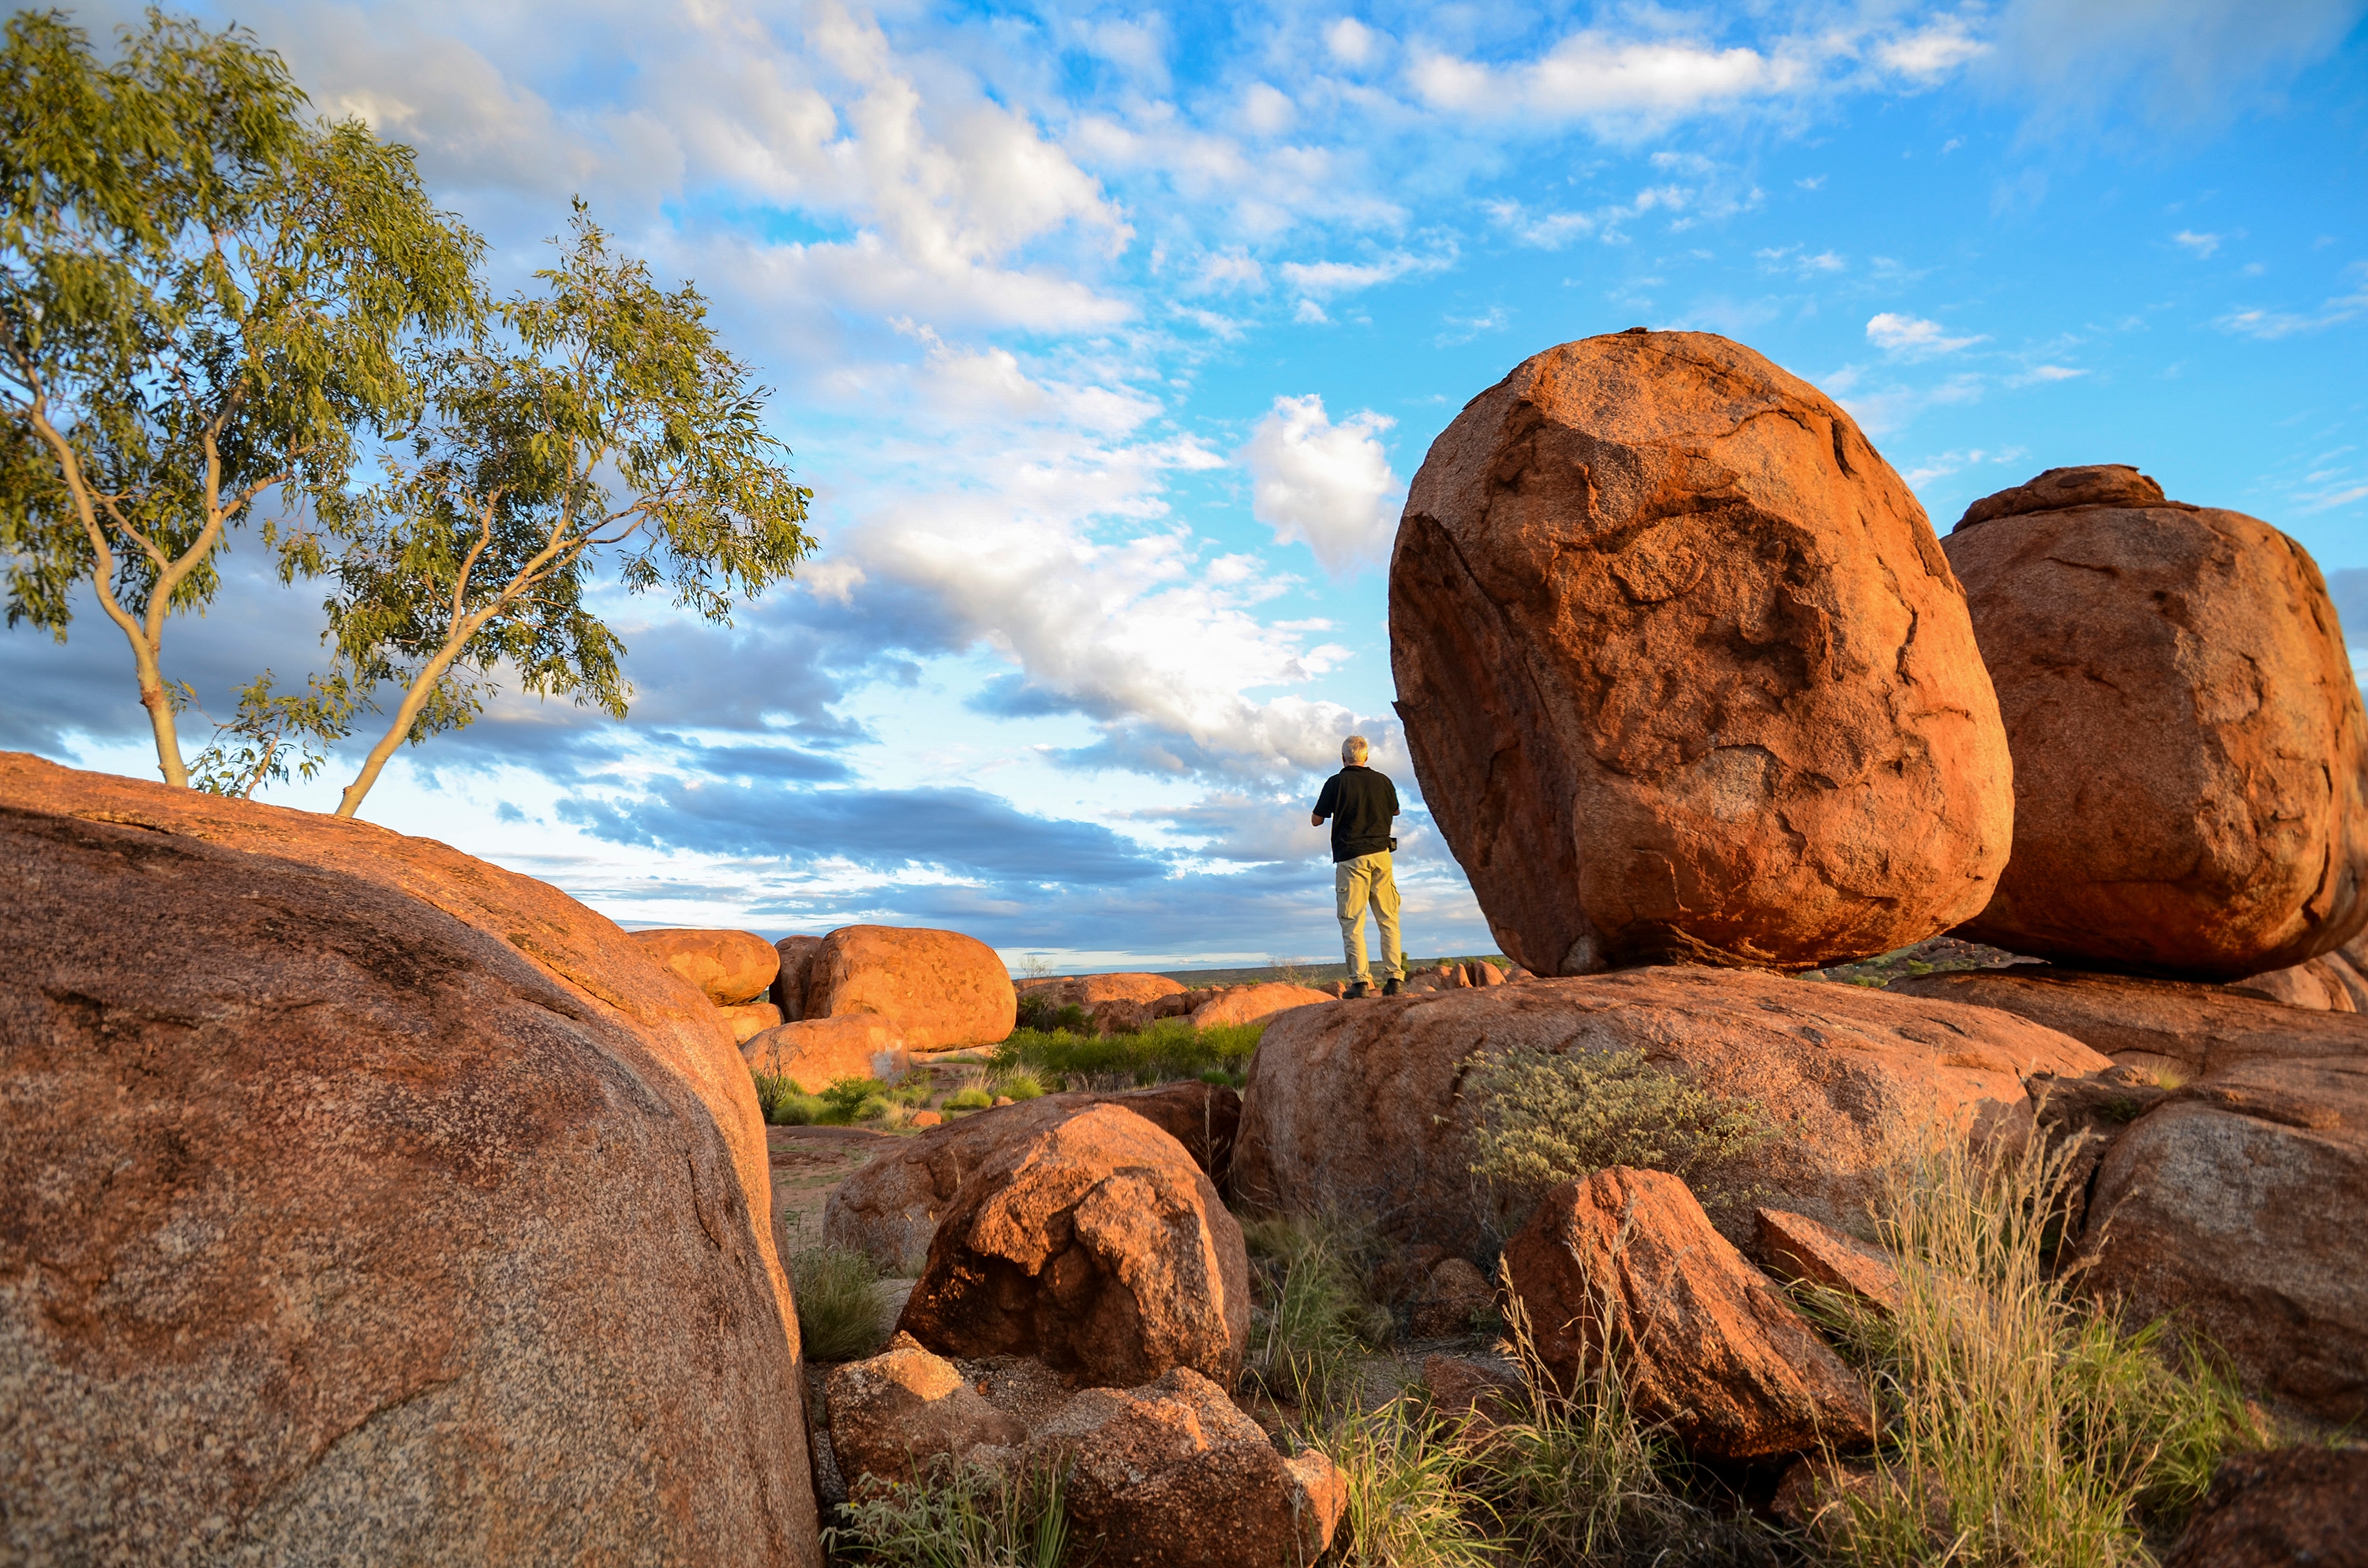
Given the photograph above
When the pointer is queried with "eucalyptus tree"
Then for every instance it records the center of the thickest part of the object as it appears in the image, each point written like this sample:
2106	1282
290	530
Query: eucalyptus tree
596	428
207	298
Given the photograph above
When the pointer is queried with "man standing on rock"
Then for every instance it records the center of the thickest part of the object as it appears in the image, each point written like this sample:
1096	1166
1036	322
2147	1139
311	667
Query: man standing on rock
1360	803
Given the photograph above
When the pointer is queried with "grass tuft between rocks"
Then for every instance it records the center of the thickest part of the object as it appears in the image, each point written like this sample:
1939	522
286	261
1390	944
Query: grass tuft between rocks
961	1517
837	1295
1168	1050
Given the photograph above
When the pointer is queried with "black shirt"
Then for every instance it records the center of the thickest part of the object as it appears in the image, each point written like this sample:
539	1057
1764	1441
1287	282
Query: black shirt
1360	803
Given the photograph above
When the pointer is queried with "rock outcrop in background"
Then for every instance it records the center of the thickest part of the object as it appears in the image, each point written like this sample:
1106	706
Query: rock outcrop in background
1685	673
2190	759
353	1190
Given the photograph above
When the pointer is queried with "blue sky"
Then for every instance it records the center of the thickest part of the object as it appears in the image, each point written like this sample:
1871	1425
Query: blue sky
1108	339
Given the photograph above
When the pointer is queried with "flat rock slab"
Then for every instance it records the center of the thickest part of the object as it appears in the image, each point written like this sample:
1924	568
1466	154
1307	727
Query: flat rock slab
1361	1105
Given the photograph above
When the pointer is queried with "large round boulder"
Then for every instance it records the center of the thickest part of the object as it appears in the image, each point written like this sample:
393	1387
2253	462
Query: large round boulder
2190	759
1684	671
1094	1245
360	1198
1248	1004
731	967
943	989
1363	1108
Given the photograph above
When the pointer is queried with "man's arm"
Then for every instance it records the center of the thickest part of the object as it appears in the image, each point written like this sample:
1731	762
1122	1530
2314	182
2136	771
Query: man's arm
1327	801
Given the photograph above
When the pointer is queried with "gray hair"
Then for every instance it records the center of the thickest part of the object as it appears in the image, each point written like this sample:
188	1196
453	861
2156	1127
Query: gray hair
1354	749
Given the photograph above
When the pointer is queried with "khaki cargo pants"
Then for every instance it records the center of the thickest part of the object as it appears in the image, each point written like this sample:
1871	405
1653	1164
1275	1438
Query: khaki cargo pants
1367	879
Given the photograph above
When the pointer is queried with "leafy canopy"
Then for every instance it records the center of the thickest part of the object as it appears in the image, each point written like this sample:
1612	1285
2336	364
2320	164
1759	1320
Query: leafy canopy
595	423
204	298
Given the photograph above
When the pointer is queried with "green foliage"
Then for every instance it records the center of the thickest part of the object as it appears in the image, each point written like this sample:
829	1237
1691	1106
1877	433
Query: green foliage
2024	1415
1018	1086
1543	1118
203	297
1312	1315
271	737
959	1517
1169	1048
850	1100
838	1294
601	423
968	1099
786	1105
1411	1501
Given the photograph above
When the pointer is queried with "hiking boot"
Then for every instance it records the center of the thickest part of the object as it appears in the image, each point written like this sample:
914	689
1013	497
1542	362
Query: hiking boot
1390	987
1356	989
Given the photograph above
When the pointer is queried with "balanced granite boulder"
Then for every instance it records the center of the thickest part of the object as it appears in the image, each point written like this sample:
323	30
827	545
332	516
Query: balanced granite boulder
358	1198
1095	1244
1364	1107
1089	990
2327	983
1684	672
2191	758
1627	1259
731	967
896	1414
889	1210
943	989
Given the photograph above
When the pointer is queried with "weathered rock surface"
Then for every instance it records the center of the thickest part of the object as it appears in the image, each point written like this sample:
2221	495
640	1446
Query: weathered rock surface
1174	1475
300	1115
889	1210
2238	1203
818	1052
1468	1388
731	967
2191	758
1480	971
790	986
2282	1509
943	989
1684	671
1796	1247
2327	983
750	1020
891	1416
2184	1029
1094	1245
1702	1338
1455	1291
1361	1105
1248	1004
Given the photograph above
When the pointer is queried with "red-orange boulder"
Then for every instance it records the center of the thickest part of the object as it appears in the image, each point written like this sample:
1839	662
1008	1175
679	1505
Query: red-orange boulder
1097	1245
297	1117
943	989
2191	757
1684	671
1700	1338
818	1052
731	967
1248	1004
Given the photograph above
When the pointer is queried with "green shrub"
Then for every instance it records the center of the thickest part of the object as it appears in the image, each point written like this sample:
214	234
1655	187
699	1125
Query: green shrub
786	1105
850	1100
1167	1050
1312	1315
972	1098
1409	1502
1543	1118
2043	1431
965	1516
1019	1087
837	1295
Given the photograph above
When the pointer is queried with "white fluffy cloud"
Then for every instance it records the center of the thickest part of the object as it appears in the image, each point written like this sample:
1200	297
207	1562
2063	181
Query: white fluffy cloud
1324	485
1912	336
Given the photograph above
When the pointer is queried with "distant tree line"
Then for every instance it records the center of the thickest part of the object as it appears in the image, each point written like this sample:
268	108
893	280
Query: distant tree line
219	313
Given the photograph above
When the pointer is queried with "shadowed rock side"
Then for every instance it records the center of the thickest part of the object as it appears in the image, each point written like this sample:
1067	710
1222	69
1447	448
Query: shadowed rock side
331	1227
2190	759
1684	672
1096	1245
2285	1508
1361	1105
889	1210
585	952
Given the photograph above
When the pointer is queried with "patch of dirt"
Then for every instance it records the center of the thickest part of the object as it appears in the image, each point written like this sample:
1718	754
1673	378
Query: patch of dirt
808	1163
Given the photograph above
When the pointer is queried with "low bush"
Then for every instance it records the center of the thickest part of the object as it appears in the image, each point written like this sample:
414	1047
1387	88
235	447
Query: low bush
786	1105
850	1100
1017	1086
972	1098
966	1516
1312	1316
1545	1116
837	1295
2030	1418
1167	1050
